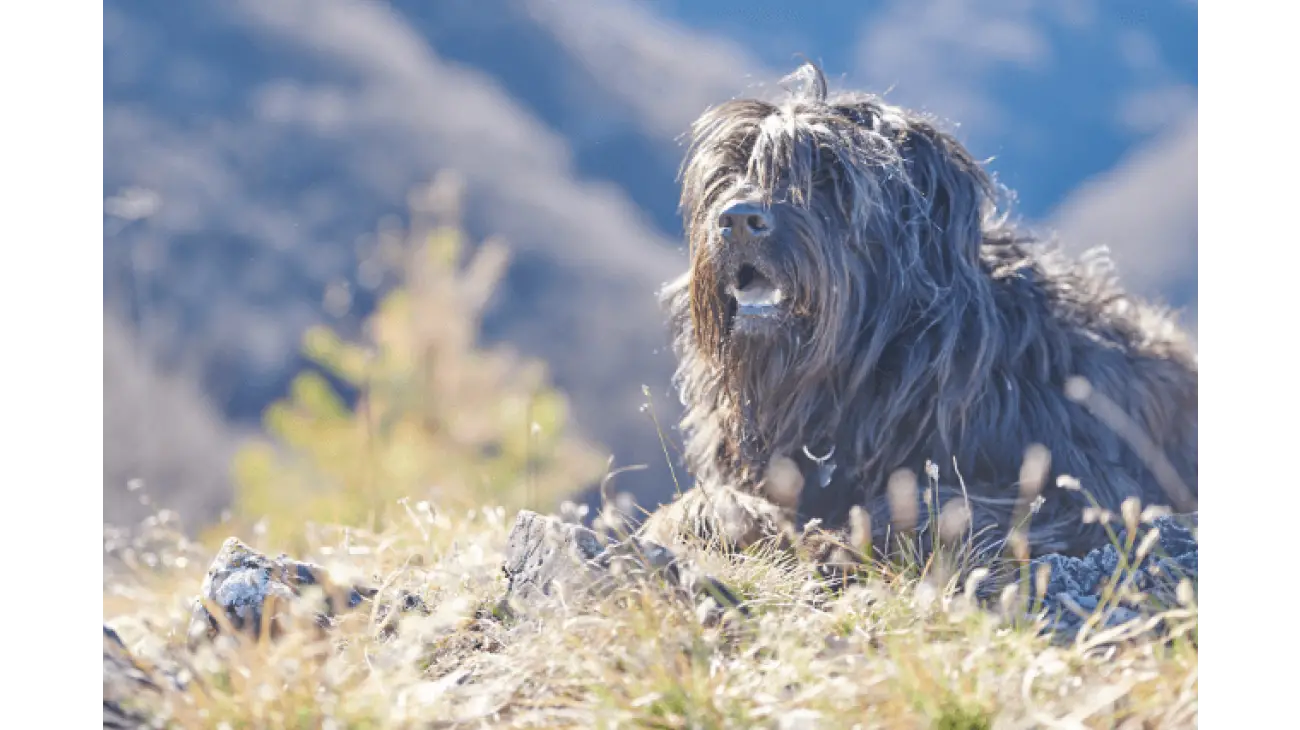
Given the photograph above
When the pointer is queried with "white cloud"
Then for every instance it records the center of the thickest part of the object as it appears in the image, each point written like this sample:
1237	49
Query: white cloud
938	55
1143	111
1157	96
1139	51
1078	14
450	116
1145	210
664	72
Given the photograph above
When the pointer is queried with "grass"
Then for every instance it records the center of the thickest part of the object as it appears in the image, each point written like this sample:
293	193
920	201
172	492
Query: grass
896	651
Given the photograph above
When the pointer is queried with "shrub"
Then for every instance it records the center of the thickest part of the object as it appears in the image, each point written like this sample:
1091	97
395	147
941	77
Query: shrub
437	417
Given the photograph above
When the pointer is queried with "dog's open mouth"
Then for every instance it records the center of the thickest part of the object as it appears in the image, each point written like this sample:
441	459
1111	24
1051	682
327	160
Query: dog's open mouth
755	295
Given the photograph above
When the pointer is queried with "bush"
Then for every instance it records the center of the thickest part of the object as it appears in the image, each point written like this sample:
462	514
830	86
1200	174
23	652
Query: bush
437	417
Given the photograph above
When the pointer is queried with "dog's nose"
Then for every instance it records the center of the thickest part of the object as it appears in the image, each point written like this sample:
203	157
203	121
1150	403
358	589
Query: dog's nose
744	221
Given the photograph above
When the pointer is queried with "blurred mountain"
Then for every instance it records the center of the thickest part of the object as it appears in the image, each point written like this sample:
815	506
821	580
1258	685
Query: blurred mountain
255	151
165	442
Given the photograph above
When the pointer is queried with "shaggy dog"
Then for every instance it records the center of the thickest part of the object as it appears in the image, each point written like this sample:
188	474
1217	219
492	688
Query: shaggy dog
857	312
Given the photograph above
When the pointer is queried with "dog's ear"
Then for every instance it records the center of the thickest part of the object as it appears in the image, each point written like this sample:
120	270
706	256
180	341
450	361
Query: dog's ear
951	193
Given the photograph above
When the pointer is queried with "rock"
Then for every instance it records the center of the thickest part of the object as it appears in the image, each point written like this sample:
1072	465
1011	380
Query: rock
1080	581
251	590
243	582
124	681
546	557
1087	603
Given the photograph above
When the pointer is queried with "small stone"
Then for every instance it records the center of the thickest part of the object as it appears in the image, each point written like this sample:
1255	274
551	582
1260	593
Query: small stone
124	680
1120	615
546	556
244	582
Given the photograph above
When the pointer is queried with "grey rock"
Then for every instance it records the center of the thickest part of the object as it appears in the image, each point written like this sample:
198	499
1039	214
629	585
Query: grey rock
1081	581
547	558
1121	615
1088	603
125	682
243	583
250	590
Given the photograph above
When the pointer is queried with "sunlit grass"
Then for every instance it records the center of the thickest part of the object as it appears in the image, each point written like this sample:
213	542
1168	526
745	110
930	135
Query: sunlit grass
894	650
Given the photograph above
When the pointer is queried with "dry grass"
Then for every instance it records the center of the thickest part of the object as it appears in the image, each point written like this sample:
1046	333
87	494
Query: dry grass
895	652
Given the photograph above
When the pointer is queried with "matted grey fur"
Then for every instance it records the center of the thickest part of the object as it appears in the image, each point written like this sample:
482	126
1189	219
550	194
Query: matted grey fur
856	301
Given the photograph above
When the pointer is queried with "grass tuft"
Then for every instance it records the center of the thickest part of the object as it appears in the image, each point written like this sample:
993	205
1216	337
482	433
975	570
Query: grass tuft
894	650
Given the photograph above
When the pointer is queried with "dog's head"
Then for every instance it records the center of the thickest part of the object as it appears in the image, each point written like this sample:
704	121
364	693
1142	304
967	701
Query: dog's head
821	228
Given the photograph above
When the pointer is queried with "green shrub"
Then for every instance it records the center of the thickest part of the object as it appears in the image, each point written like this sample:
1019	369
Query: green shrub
438	418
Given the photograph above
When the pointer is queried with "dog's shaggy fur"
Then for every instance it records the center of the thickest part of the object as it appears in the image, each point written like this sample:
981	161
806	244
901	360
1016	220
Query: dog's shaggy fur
914	324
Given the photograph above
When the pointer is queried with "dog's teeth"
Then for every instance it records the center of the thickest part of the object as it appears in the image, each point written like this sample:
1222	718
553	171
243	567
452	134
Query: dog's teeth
758	297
